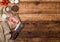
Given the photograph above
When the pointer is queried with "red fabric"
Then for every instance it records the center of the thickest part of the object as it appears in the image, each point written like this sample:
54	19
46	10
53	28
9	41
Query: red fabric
13	19
4	3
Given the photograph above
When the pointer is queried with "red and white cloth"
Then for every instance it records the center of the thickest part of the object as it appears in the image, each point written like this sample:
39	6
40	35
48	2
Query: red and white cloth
13	19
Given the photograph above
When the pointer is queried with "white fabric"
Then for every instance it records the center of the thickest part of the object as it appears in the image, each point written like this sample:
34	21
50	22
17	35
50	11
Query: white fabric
14	1
4	16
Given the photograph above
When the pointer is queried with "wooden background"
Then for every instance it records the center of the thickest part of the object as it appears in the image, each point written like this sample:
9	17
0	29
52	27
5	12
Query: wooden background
41	19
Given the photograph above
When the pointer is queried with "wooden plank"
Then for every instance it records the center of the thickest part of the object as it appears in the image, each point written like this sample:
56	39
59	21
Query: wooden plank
39	17
39	34
40	0
37	40
58	8
38	8
42	29
41	26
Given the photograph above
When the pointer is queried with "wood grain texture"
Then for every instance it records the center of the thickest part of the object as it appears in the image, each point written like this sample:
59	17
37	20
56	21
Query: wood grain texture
38	8
39	17
40	0
41	26
40	31
38	40
34	7
58	8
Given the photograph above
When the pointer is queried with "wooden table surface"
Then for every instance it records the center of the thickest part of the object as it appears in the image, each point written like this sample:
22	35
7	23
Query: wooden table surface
41	19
